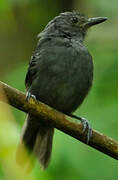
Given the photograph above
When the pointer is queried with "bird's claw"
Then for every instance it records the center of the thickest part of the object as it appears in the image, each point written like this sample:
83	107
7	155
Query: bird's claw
29	95
86	126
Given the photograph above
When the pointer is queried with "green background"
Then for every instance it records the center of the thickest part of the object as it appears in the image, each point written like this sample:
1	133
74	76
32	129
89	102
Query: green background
20	22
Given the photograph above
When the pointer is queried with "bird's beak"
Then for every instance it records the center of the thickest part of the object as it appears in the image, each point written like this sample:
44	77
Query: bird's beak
93	21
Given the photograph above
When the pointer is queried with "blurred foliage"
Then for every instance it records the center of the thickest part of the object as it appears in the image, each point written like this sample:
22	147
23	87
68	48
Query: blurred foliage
20	23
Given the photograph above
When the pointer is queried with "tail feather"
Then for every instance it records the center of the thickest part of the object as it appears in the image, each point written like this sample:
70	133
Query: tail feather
43	146
38	140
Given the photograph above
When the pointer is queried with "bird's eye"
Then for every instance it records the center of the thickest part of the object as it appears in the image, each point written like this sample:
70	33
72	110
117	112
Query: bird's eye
74	20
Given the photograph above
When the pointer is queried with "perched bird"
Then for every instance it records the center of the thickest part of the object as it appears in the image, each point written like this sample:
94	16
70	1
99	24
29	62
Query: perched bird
60	75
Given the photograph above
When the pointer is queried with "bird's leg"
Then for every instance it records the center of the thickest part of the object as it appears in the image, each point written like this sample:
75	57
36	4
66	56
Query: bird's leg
86	126
29	95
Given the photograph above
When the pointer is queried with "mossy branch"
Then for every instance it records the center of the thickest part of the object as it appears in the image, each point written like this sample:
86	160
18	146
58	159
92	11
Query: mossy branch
58	120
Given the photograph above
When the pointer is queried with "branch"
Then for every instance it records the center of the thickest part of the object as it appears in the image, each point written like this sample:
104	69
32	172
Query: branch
58	120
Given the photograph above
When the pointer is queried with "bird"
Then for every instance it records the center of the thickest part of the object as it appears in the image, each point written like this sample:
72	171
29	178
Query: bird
60	74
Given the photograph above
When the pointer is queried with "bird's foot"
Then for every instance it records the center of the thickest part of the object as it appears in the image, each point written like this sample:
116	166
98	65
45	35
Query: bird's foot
29	95
86	126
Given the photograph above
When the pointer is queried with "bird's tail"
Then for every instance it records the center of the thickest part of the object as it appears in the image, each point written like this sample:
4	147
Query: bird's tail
37	138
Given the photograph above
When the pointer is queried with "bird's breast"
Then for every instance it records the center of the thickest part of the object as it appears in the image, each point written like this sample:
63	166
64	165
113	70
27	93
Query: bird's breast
64	77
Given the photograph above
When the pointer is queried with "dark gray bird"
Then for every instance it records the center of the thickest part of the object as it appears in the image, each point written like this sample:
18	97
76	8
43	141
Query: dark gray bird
60	75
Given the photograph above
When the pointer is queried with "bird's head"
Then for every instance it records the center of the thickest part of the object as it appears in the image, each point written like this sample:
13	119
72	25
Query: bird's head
71	24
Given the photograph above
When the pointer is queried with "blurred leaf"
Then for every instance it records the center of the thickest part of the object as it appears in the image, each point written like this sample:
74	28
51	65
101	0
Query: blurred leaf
8	144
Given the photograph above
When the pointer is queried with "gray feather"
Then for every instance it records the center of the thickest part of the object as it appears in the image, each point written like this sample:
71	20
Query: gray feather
36	140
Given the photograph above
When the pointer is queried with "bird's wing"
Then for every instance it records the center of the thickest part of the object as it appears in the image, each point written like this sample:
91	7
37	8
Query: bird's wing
31	71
